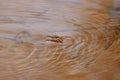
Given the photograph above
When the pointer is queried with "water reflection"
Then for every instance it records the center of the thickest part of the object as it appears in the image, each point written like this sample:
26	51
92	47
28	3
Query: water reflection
59	39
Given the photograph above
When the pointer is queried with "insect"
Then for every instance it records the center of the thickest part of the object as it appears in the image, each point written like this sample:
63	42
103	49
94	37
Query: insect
55	39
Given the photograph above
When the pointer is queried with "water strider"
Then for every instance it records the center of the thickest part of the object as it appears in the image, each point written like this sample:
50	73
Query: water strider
60	40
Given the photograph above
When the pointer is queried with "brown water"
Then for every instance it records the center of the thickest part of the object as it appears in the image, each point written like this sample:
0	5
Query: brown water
59	39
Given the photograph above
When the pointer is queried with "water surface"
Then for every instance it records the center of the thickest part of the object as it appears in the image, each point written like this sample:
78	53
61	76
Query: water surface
60	40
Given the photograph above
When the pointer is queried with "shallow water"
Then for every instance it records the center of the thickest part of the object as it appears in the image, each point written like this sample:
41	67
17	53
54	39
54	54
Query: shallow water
60	40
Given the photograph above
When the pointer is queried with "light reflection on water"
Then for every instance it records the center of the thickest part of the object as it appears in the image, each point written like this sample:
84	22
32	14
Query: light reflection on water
59	40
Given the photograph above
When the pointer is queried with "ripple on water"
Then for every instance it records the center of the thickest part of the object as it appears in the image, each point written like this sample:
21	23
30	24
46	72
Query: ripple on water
57	53
67	49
